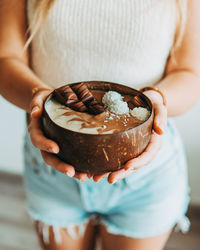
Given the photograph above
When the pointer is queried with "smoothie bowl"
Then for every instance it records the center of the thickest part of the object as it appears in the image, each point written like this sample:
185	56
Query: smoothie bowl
98	125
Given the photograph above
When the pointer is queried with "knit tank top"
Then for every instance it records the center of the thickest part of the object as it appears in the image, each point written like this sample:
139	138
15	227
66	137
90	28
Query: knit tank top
123	41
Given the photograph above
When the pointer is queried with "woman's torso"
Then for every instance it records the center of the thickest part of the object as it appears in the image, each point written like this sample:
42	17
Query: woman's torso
124	41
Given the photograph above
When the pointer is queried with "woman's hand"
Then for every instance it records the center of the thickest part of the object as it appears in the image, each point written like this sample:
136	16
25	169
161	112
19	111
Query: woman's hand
160	121
48	148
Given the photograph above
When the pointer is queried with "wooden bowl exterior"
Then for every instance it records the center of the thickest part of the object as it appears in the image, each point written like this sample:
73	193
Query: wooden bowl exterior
94	153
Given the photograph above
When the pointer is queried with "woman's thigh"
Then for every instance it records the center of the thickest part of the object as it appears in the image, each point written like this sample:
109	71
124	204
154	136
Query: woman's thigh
119	242
66	242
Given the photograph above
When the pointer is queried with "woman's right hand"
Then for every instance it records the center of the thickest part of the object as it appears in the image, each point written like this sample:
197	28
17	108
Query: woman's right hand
48	148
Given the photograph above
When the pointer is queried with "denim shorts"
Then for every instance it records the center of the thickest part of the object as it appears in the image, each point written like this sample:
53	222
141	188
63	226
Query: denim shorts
149	202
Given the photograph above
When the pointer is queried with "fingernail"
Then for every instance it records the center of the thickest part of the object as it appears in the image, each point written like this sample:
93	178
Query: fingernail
52	150
82	179
157	129
55	151
34	109
70	174
95	180
89	175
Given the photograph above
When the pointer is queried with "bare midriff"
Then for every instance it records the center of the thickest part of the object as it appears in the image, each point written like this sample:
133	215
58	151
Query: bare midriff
104	123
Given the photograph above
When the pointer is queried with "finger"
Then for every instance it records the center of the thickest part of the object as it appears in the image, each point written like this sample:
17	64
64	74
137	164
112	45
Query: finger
160	119
81	176
39	140
119	174
89	175
98	177
36	106
148	155
36	111
57	164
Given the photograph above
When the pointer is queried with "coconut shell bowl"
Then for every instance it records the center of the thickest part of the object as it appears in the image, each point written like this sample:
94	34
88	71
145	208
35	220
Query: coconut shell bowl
100	153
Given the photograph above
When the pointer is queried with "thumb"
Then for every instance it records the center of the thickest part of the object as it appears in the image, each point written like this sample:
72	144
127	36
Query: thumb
37	102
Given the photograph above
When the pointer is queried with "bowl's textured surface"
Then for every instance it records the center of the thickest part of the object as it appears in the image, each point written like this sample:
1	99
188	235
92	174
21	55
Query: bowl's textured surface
97	154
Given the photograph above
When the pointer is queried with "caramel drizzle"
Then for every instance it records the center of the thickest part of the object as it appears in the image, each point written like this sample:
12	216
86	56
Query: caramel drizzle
104	122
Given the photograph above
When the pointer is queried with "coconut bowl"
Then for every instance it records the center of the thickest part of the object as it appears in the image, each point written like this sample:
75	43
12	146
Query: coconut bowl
100	153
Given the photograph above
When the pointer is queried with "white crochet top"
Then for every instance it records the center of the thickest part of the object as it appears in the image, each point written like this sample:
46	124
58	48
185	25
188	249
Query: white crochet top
123	41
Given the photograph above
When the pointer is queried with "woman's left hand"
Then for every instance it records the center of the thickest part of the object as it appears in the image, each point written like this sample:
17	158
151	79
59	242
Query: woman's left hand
160	121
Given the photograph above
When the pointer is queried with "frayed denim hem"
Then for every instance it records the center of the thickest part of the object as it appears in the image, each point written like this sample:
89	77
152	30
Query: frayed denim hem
183	225
45	223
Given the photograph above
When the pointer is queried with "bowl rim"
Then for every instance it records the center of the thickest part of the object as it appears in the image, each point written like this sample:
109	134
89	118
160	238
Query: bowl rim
48	98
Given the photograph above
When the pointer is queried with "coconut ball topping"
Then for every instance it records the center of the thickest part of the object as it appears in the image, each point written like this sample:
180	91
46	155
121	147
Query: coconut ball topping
111	97
140	113
119	108
113	102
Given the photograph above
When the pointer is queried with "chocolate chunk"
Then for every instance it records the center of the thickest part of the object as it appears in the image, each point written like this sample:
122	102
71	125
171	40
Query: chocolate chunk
95	107
79	98
66	96
130	105
58	96
138	102
83	93
88	99
78	106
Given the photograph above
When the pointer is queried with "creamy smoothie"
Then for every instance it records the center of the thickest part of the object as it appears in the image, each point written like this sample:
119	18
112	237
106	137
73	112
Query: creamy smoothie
119	115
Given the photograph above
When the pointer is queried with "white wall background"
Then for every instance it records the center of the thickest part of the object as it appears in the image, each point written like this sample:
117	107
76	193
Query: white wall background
12	127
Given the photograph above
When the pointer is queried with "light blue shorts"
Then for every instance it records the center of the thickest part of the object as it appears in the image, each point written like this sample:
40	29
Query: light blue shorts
149	202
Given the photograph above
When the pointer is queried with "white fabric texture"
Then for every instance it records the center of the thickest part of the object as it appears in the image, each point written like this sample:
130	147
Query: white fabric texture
123	41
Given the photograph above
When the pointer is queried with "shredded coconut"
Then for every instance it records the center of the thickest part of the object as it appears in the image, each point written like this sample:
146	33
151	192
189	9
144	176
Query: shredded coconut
140	113
119	107
114	103
111	97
